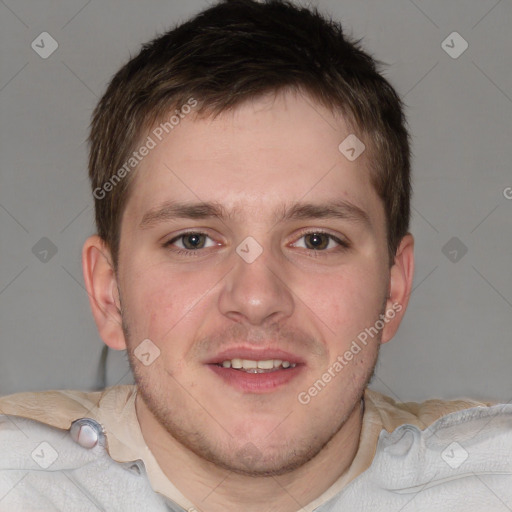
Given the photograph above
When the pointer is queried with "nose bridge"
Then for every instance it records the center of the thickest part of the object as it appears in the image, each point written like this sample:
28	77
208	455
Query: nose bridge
255	289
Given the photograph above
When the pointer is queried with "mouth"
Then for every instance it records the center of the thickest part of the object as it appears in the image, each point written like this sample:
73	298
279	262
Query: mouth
252	366
251	371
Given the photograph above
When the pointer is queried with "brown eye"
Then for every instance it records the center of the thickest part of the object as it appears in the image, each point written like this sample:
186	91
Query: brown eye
193	241
190	242
317	241
321	241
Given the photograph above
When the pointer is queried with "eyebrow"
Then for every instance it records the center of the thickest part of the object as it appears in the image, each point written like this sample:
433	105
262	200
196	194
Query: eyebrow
339	209
172	210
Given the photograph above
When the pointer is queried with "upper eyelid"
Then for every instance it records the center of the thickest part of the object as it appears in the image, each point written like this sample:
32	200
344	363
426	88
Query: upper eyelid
189	232
323	231
303	231
183	250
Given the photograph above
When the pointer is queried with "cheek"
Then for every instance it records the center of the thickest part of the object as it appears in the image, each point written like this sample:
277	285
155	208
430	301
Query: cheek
149	296
345	301
159	300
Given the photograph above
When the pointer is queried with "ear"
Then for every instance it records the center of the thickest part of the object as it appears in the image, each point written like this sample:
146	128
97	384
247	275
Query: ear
400	285
101	284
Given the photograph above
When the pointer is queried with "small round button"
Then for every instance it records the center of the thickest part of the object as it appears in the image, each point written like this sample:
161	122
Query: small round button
86	432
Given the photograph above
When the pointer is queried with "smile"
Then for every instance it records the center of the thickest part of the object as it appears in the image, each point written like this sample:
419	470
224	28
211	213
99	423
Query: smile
252	366
250	378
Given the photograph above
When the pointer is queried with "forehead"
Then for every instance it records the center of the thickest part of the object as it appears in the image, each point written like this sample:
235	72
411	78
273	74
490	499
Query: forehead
257	158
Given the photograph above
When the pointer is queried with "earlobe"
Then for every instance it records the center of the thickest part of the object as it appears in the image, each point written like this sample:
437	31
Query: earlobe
101	285
400	285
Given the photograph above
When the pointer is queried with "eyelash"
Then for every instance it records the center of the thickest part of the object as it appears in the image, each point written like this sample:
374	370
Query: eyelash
184	252
343	245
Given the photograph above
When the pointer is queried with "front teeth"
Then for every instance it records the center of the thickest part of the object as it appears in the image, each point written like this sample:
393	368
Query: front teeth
249	364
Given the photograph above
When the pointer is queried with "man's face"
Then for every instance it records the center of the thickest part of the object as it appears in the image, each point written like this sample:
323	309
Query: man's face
196	285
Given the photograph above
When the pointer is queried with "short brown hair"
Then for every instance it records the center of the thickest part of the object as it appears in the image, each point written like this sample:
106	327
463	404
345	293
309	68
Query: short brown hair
234	51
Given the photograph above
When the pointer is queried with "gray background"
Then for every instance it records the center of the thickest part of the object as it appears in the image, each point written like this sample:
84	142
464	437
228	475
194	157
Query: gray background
456	337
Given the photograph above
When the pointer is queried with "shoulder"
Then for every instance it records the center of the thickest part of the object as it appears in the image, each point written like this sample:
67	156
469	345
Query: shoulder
460	462
53	469
54	455
454	453
59	408
392	413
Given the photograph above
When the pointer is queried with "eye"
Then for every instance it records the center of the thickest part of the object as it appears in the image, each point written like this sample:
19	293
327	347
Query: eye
319	241
191	241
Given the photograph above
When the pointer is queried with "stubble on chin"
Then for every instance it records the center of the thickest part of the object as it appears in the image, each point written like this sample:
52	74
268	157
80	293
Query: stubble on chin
247	460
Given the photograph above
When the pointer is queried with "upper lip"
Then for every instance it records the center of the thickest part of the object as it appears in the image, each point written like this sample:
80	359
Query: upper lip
253	354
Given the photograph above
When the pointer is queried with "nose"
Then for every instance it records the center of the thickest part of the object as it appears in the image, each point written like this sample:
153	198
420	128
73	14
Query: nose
255	292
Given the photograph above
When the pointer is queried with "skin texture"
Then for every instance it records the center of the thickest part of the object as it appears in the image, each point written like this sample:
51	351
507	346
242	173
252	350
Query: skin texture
259	451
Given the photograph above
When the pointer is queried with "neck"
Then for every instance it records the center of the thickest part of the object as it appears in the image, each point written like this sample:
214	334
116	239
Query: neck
214	489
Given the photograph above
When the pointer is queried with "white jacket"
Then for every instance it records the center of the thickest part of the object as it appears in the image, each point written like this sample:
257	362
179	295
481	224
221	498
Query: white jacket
461	462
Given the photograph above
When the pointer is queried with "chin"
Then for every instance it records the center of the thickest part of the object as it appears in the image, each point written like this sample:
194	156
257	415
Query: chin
249	460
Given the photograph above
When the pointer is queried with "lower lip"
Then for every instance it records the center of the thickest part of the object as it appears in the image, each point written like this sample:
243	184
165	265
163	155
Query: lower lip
256	382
